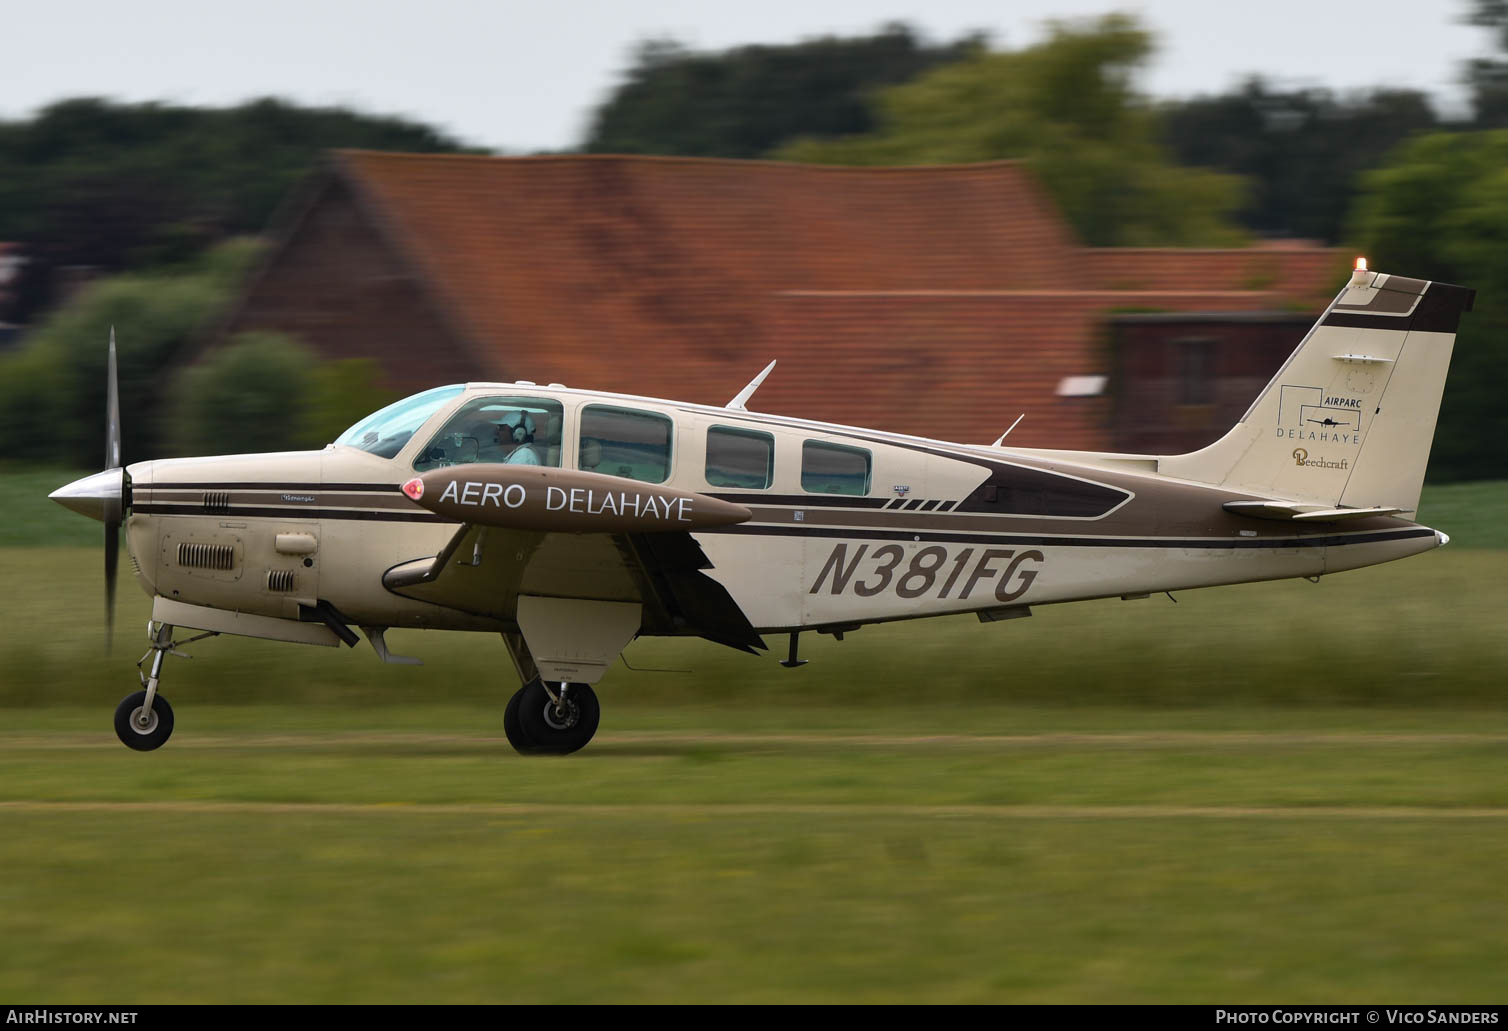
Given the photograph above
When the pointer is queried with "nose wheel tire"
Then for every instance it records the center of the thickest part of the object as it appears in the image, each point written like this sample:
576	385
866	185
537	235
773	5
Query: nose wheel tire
537	724
141	730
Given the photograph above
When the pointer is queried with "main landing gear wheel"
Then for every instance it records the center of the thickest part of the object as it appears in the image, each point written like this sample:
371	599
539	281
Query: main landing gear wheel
140	729
556	720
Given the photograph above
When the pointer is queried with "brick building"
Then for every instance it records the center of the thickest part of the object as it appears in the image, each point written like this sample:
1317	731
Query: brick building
942	301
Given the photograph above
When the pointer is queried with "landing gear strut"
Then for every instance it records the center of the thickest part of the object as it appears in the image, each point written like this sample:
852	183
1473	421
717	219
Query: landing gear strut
551	719
144	719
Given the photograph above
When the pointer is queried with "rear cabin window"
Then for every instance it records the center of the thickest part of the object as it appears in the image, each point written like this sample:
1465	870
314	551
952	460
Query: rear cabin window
740	458
624	442
834	468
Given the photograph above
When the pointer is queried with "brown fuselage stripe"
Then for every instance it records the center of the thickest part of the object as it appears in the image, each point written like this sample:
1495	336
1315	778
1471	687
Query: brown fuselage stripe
1038	540
891	525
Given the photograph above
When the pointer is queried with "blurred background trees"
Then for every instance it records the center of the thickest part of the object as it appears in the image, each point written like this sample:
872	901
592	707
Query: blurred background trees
1439	208
143	204
745	102
96	184
1301	152
1069	109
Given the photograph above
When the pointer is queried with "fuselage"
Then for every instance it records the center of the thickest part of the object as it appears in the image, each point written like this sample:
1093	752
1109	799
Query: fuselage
848	525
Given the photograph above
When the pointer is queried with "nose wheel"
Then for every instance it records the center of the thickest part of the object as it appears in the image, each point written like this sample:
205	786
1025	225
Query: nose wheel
140	727
553	719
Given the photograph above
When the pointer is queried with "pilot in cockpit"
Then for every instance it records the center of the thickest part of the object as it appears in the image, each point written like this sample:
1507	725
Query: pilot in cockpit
515	439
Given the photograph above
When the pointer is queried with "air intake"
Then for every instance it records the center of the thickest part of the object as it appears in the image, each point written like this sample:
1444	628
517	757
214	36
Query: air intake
216	501
206	556
280	579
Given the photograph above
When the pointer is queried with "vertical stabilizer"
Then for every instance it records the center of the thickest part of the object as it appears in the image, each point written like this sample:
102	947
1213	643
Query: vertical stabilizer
1349	418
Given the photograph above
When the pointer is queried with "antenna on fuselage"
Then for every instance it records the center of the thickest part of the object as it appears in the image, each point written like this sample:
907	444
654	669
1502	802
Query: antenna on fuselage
747	392
1007	433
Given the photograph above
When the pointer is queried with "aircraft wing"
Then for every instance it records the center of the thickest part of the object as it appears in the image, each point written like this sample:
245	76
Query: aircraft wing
484	569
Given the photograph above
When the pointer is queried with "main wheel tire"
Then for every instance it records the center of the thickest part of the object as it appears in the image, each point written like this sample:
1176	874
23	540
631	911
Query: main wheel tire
521	742
130	731
551	729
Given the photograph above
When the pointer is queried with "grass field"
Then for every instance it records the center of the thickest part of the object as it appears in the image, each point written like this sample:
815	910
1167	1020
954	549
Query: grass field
1426	631
1281	793
287	855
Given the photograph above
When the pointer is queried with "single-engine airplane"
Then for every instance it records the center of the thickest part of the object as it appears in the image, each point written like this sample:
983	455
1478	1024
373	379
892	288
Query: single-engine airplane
571	521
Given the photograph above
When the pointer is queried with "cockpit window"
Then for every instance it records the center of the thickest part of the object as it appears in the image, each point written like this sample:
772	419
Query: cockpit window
384	433
508	430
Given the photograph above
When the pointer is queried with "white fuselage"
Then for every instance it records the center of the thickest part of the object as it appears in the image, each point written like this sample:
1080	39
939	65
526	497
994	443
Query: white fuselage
926	535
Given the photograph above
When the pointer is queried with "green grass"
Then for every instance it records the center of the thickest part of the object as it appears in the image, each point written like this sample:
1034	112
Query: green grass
1426	631
32	521
359	861
1474	514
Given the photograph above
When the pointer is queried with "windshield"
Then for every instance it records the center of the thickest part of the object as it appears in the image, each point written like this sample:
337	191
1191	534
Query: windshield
384	433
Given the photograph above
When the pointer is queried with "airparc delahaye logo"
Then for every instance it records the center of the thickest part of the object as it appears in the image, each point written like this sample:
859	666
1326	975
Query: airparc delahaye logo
1312	415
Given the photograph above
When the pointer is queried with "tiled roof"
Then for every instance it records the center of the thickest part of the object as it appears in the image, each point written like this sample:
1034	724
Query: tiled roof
934	300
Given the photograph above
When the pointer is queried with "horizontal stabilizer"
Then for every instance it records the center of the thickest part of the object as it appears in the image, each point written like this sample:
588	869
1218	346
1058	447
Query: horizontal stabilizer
1288	510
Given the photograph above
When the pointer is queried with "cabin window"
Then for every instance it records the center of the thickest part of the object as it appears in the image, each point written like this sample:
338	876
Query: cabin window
624	442
506	430
834	468
740	458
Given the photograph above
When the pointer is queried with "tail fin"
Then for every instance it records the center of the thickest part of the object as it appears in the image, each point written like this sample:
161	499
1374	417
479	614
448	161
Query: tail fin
1349	418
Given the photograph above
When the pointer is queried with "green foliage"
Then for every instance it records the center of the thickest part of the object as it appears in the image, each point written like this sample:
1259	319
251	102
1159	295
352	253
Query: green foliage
244	397
95	183
340	393
1439	210
744	102
1302	152
52	392
1067	107
266	392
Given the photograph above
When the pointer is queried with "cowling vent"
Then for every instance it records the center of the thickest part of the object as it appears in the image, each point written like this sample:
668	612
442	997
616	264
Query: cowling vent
216	500
280	579
206	556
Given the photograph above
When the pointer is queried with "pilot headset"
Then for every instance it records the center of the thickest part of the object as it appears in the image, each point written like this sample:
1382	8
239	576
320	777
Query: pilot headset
522	425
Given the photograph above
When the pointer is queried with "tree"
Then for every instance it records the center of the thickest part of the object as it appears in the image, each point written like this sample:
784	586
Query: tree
1302	152
744	102
1439	210
266	392
1067	107
52	392
1487	77
89	182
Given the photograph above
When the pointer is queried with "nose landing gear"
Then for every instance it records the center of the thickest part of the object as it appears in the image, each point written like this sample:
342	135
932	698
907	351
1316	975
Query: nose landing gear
144	719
